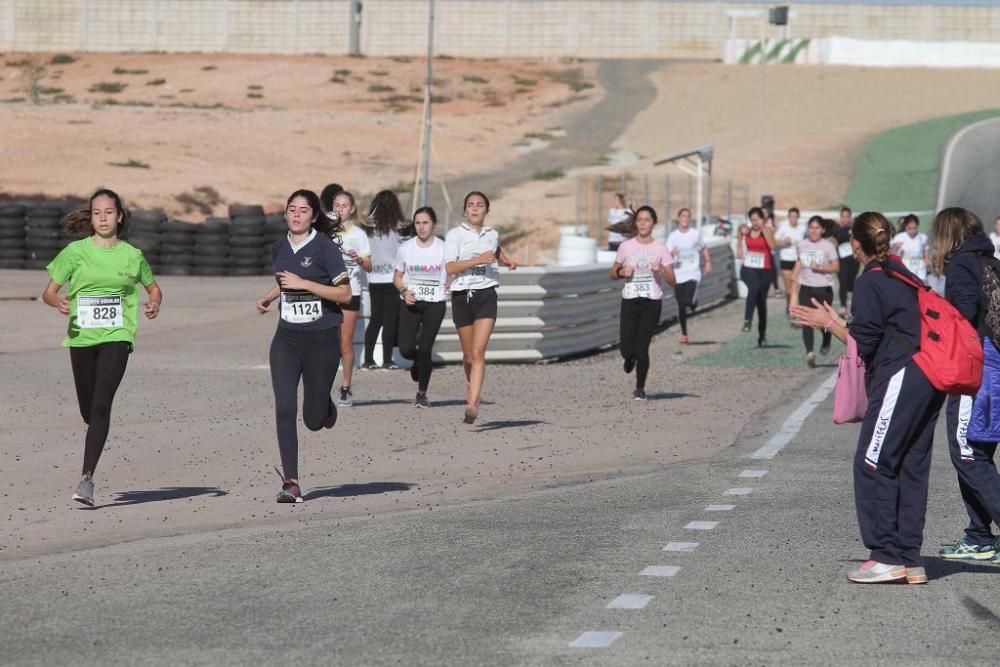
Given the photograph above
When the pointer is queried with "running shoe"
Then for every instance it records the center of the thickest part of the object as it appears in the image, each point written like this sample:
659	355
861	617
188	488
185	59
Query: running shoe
874	572
824	350
639	395
471	413
842	312
746	326
629	365
916	575
414	372
85	492
391	366
290	491
811	359
421	400
762	342
368	366
694	306
965	550
346	399
685	339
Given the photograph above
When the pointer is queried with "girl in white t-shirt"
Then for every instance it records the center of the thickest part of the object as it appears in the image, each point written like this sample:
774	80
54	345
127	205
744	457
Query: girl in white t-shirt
422	281
788	236
358	259
688	250
912	246
645	265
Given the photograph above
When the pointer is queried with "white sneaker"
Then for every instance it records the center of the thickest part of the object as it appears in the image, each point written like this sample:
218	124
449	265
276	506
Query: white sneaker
874	572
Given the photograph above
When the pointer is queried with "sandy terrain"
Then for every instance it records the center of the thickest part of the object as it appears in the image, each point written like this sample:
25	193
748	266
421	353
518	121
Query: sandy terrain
192	443
254	128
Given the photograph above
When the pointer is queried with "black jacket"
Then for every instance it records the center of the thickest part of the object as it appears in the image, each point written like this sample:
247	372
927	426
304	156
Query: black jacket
963	274
881	302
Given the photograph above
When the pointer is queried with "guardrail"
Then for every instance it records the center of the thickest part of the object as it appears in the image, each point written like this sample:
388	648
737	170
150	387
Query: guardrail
553	312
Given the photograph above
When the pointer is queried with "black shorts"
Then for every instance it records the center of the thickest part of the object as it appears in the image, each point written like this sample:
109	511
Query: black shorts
787	266
467	306
354	305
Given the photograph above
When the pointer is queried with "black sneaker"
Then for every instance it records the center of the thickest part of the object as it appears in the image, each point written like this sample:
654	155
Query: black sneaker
368	366
746	326
346	399
414	372
824	350
389	367
629	365
762	342
421	400
639	394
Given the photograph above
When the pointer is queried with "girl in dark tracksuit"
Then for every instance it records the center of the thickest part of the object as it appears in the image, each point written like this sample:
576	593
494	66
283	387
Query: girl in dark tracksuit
961	247
893	457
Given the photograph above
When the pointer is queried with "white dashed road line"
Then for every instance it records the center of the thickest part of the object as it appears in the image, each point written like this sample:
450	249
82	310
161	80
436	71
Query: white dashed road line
752	474
681	546
791	427
595	639
720	508
739	491
630	601
701	525
661	571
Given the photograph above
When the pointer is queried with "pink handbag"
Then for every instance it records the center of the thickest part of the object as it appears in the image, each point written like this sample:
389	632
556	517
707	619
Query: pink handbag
850	398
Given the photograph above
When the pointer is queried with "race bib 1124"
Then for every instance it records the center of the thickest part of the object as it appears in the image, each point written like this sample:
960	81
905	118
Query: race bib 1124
300	308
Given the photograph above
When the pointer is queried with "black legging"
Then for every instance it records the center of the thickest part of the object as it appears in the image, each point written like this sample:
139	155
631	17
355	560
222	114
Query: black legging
684	293
758	282
384	316
314	357
97	372
846	275
639	318
424	317
806	295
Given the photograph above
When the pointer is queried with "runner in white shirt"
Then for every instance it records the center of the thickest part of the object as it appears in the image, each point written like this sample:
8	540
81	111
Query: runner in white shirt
912	246
620	212
357	254
788	236
688	251
473	255
995	237
645	265
422	281
385	217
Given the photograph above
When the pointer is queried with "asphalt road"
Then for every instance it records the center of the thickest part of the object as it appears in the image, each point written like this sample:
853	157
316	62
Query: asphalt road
971	171
517	580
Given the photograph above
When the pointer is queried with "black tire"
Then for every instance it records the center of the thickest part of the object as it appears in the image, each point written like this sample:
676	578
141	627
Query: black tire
36	264
245	253
44	212
153	216
12	211
255	242
145	227
177	249
244	262
243	271
171	259
145	243
214	226
35	233
12	244
240	210
12	233
212	239
266	270
200	270
8	223
173	238
247	225
42	257
12	253
54	245
211	250
174	270
12	264
44	223
179	227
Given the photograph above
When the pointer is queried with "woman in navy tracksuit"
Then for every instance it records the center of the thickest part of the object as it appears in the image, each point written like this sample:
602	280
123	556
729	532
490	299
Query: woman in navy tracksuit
960	249
893	457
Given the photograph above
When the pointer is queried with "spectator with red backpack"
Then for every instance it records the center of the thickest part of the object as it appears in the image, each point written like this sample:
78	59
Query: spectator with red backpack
910	364
964	254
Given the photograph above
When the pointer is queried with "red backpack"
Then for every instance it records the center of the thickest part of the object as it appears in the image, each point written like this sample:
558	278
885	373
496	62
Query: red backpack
951	353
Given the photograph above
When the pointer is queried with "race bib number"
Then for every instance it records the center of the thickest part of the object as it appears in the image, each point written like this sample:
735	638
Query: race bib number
426	290
638	287
809	258
755	260
99	312
687	259
300	308
844	250
915	265
479	270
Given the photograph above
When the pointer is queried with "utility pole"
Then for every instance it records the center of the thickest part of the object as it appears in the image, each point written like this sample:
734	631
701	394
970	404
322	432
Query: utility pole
426	133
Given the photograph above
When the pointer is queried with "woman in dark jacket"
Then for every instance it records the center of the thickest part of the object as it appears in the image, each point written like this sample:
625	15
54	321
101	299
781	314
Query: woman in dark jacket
961	249
893	457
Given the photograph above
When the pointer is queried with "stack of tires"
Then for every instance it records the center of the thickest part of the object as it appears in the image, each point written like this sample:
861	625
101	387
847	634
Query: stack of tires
177	248
211	248
43	236
145	232
12	240
275	229
247	241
